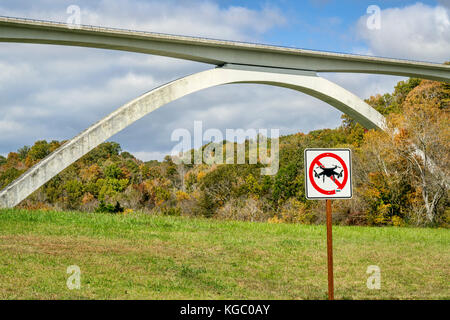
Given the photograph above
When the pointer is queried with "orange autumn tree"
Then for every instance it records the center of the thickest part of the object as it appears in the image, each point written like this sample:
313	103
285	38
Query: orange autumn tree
411	158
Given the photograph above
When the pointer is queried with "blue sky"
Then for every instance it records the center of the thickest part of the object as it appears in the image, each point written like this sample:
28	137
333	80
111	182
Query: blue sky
320	24
53	92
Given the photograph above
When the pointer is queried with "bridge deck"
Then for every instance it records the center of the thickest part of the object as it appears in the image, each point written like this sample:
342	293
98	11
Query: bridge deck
216	52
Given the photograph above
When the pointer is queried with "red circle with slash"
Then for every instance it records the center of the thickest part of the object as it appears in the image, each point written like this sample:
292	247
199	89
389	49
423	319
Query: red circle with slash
339	184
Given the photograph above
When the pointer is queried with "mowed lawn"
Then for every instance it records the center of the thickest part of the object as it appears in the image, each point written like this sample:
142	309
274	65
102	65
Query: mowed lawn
138	256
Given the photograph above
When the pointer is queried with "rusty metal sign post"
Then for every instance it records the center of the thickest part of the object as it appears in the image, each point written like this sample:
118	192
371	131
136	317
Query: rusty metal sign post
328	176
330	252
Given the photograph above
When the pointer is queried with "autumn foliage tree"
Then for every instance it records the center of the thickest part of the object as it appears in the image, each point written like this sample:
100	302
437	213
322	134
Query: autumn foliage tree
400	175
408	165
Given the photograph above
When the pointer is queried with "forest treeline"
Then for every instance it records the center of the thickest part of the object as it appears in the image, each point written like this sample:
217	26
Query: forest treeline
400	177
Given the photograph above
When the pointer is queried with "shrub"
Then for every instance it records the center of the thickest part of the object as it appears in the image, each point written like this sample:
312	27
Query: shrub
109	208
295	211
243	210
171	211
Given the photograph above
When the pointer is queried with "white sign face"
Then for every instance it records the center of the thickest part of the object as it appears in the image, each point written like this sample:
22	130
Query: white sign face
328	174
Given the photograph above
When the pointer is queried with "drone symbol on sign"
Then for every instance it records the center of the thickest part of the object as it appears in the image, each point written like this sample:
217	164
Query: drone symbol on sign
328	172
333	172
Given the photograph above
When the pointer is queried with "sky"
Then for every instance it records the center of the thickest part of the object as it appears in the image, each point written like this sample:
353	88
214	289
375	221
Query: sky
55	92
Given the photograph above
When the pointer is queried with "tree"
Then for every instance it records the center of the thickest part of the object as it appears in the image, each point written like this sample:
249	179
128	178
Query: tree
288	183
8	176
423	139
23	152
104	151
113	171
74	191
91	173
414	153
380	179
37	152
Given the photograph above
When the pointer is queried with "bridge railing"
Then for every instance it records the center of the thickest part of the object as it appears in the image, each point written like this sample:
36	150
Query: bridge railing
113	29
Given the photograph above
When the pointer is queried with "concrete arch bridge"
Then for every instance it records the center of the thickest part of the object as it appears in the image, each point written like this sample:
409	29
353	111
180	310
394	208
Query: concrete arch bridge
234	62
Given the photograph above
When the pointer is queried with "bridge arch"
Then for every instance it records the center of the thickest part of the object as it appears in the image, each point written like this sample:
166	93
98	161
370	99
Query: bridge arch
132	111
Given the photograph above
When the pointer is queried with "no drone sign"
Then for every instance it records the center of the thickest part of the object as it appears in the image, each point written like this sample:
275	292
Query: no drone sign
328	174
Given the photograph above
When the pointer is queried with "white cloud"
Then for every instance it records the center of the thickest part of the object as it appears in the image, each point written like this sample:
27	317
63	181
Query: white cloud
445	3
54	92
364	85
417	32
80	98
188	18
195	18
147	156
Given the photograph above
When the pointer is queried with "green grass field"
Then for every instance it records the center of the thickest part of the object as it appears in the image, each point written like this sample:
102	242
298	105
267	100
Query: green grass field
139	256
